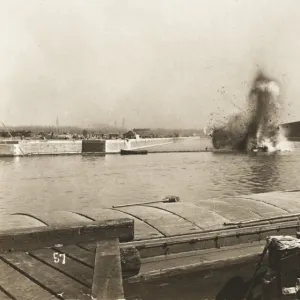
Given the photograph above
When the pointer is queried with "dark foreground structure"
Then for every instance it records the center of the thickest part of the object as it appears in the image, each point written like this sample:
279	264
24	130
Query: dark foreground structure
156	250
292	130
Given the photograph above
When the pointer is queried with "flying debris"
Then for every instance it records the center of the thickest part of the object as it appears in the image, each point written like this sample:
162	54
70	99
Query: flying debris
256	128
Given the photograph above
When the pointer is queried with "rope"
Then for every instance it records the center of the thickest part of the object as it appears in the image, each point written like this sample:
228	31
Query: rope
258	266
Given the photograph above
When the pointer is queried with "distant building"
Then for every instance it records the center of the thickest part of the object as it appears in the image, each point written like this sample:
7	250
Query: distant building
143	132
4	134
21	133
113	136
130	135
63	136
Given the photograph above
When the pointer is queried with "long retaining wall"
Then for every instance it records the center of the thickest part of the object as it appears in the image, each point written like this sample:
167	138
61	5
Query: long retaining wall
115	146
49	147
60	147
8	148
93	146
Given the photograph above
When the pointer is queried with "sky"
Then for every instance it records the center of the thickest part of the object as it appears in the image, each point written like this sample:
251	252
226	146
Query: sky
171	63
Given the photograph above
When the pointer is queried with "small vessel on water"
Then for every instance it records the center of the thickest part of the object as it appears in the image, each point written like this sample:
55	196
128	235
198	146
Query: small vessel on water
133	152
224	139
260	149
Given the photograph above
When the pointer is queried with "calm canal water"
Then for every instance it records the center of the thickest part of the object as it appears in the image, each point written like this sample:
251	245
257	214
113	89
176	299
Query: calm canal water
75	182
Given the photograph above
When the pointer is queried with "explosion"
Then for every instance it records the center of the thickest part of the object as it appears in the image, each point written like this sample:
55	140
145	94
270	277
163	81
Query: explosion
257	127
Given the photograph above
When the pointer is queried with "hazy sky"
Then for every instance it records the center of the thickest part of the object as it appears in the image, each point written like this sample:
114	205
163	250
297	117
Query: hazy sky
153	62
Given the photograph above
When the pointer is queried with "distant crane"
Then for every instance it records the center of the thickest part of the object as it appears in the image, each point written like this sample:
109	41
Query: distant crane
12	137
7	130
57	125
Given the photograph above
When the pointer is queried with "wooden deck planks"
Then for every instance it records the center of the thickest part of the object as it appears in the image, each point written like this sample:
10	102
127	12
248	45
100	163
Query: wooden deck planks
107	279
20	286
201	217
142	230
130	258
58	283
165	222
4	296
18	221
59	218
229	211
80	270
83	256
288	201
72	268
58	274
264	209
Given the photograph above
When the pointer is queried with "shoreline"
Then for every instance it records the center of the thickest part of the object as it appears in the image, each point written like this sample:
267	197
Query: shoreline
22	148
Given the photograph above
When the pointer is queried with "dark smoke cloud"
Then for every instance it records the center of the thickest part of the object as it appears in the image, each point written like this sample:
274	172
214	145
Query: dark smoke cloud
258	125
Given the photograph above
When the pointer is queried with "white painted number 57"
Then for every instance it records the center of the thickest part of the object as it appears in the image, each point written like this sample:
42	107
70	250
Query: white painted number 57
58	256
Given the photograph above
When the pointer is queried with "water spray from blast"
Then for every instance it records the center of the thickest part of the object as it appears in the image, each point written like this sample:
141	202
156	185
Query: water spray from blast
257	126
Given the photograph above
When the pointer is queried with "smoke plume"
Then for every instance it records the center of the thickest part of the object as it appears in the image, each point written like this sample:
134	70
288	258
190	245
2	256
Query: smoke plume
258	126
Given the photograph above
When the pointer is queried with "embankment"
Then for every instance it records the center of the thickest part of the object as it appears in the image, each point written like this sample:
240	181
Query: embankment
45	147
8	148
61	147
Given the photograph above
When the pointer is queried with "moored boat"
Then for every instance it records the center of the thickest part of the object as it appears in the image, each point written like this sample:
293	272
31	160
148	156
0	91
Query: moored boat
133	152
260	149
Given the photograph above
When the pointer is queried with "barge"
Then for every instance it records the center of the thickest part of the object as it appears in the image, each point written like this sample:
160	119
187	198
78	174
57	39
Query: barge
133	152
156	250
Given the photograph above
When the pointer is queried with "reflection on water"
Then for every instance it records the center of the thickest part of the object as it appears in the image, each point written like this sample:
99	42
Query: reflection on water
265	173
72	183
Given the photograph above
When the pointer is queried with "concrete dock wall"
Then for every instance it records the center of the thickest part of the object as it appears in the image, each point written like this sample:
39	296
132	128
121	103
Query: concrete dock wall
143	143
48	147
57	147
115	146
8	148
93	146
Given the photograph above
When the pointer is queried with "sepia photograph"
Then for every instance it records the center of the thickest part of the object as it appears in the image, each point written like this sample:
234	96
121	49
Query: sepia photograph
149	149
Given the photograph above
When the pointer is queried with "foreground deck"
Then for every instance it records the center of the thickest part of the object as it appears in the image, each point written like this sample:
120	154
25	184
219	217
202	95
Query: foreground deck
185	248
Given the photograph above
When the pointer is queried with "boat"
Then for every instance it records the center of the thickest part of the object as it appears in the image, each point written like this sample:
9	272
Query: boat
237	248
133	152
223	139
260	149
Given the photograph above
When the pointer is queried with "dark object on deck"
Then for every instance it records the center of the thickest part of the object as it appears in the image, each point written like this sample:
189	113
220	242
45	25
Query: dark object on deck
282	278
171	199
130	261
133	152
167	199
233	290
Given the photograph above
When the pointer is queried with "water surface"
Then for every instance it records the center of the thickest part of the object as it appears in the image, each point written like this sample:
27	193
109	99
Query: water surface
46	183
